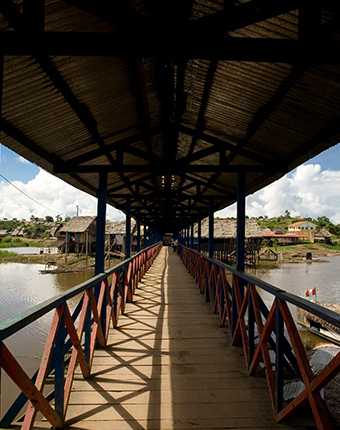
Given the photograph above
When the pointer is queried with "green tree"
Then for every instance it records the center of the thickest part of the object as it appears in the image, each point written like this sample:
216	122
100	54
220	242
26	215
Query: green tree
67	218
49	218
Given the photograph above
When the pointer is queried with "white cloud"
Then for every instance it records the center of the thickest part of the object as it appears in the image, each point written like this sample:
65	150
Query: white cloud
22	160
309	191
55	195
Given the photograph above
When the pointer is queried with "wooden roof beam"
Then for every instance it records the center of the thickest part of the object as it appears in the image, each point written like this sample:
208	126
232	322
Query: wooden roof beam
223	145
164	169
116	13
32	146
218	48
34	15
114	146
81	110
242	15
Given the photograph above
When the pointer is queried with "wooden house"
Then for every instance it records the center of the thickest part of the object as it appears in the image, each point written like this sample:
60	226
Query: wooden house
115	232
3	233
18	232
322	236
225	239
78	235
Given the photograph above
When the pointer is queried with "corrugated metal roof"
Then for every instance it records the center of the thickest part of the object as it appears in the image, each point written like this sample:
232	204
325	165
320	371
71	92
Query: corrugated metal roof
172	99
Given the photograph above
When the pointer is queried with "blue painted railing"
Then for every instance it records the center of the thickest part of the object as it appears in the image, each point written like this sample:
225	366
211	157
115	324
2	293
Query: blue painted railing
264	332
76	335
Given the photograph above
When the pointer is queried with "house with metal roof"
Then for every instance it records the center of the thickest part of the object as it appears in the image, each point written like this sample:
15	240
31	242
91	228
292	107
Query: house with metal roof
302	226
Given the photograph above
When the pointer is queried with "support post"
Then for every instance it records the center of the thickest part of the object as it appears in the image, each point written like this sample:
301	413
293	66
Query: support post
59	372
138	231
211	228
145	233
1	88
241	220
192	233
279	360
240	233
101	218
128	228
199	231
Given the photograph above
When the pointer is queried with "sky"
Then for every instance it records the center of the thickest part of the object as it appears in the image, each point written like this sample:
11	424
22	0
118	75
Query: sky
311	190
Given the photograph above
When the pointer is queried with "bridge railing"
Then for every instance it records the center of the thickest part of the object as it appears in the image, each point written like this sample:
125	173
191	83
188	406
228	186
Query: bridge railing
268	336
73	336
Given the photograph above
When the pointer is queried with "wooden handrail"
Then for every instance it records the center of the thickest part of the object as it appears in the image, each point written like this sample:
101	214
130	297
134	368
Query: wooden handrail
93	316
240	305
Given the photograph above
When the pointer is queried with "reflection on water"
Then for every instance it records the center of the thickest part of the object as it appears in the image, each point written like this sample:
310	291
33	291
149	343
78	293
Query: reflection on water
22	287
297	278
25	250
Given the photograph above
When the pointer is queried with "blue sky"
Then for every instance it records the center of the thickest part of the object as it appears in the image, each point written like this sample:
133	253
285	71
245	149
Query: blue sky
313	189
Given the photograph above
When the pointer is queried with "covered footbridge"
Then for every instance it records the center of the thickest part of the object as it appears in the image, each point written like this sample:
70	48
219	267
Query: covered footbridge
169	111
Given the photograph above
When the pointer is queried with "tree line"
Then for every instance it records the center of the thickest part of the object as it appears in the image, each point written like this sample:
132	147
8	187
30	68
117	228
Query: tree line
283	221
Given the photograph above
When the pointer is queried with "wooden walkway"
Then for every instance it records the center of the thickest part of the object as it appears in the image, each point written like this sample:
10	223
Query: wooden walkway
170	366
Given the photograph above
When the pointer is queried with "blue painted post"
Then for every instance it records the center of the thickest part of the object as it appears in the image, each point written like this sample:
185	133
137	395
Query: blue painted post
251	330
240	233
279	359
128	228
241	220
211	228
192	233
0	358
100	238
1	87
87	333
150	235
145	233
199	231
101	218
211	242
59	370
138	231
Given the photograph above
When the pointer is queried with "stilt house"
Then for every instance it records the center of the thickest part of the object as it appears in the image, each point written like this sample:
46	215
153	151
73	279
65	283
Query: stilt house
78	234
322	236
225	239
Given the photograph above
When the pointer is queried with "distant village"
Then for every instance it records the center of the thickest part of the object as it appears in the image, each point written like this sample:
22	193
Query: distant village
78	234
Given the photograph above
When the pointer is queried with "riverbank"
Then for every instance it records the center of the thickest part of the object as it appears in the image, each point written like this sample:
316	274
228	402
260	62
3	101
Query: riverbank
57	263
299	252
295	254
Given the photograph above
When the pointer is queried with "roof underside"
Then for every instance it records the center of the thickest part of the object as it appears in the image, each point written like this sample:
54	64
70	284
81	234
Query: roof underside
170	99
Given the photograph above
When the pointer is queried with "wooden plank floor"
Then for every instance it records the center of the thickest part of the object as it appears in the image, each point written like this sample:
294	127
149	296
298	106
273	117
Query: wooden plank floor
170	366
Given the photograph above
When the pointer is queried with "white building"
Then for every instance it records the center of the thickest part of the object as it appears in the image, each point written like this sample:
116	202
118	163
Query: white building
302	226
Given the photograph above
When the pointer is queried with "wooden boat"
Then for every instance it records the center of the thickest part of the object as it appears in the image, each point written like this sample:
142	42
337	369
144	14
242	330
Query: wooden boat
318	326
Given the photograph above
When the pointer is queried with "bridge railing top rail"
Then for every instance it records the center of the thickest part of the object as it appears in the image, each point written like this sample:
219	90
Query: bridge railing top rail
315	309
14	324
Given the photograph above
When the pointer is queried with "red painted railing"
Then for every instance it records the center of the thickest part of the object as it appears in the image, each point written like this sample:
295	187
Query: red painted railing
102	303
263	332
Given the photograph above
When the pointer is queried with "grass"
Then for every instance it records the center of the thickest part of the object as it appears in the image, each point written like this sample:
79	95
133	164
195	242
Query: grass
17	243
13	244
4	254
336	247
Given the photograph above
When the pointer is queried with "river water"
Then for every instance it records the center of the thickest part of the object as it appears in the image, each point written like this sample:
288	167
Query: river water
297	278
23	286
29	250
